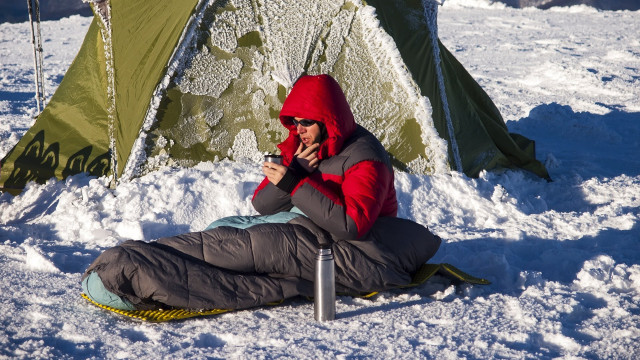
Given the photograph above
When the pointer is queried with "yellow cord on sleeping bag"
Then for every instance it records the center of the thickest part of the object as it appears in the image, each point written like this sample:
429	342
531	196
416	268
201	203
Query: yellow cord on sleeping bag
159	315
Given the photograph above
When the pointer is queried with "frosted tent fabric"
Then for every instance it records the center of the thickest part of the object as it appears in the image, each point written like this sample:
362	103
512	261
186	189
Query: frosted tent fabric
70	135
480	133
235	113
144	36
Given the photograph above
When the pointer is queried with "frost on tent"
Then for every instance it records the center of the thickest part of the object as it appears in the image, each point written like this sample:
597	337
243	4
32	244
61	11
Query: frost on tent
219	90
292	31
245	146
383	96
203	77
224	99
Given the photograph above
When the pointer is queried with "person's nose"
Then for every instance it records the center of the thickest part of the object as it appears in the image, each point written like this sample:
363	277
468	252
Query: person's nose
301	129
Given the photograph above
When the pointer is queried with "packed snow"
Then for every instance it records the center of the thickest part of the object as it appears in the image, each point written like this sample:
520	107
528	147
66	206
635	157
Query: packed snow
563	256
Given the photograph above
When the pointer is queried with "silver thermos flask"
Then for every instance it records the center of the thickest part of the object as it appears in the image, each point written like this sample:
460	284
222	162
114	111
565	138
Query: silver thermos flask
325	285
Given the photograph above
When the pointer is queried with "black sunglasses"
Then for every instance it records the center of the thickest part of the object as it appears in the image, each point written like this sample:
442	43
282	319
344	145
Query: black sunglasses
303	122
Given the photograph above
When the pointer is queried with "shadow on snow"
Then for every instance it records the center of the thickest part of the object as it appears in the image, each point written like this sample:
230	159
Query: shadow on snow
584	144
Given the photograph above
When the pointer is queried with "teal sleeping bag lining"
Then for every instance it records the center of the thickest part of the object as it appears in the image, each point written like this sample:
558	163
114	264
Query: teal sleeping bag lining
245	222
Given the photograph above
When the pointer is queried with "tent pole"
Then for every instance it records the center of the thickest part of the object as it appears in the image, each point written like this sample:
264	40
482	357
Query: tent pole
40	55
35	56
37	53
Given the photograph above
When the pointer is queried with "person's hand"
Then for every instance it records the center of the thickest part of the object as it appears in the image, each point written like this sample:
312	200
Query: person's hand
273	171
308	158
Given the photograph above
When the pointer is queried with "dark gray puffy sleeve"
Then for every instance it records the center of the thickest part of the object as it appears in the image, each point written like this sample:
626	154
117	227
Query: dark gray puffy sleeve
269	199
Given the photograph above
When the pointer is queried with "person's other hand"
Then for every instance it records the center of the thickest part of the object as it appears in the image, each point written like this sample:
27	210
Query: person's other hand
274	172
308	158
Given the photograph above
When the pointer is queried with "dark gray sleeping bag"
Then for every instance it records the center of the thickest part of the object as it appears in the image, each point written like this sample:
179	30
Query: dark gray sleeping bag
249	261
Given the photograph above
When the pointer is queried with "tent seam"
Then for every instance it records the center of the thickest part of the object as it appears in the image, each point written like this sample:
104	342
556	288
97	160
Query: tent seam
431	17
424	115
104	14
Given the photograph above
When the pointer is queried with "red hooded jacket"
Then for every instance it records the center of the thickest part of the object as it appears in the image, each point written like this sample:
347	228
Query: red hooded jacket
353	184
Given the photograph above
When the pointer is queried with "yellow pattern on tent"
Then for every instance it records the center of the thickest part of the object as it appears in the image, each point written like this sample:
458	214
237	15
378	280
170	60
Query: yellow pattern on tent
158	315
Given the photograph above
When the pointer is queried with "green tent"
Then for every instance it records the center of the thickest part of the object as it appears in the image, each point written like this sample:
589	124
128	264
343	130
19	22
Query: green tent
163	82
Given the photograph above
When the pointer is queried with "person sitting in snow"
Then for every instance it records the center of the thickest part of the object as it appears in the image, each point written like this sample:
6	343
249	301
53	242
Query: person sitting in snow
335	187
338	173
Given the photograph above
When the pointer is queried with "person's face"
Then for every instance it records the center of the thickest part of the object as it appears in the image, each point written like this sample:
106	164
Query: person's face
308	134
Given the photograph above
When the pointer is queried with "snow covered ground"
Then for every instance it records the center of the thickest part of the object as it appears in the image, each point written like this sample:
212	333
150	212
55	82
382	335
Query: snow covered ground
563	256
